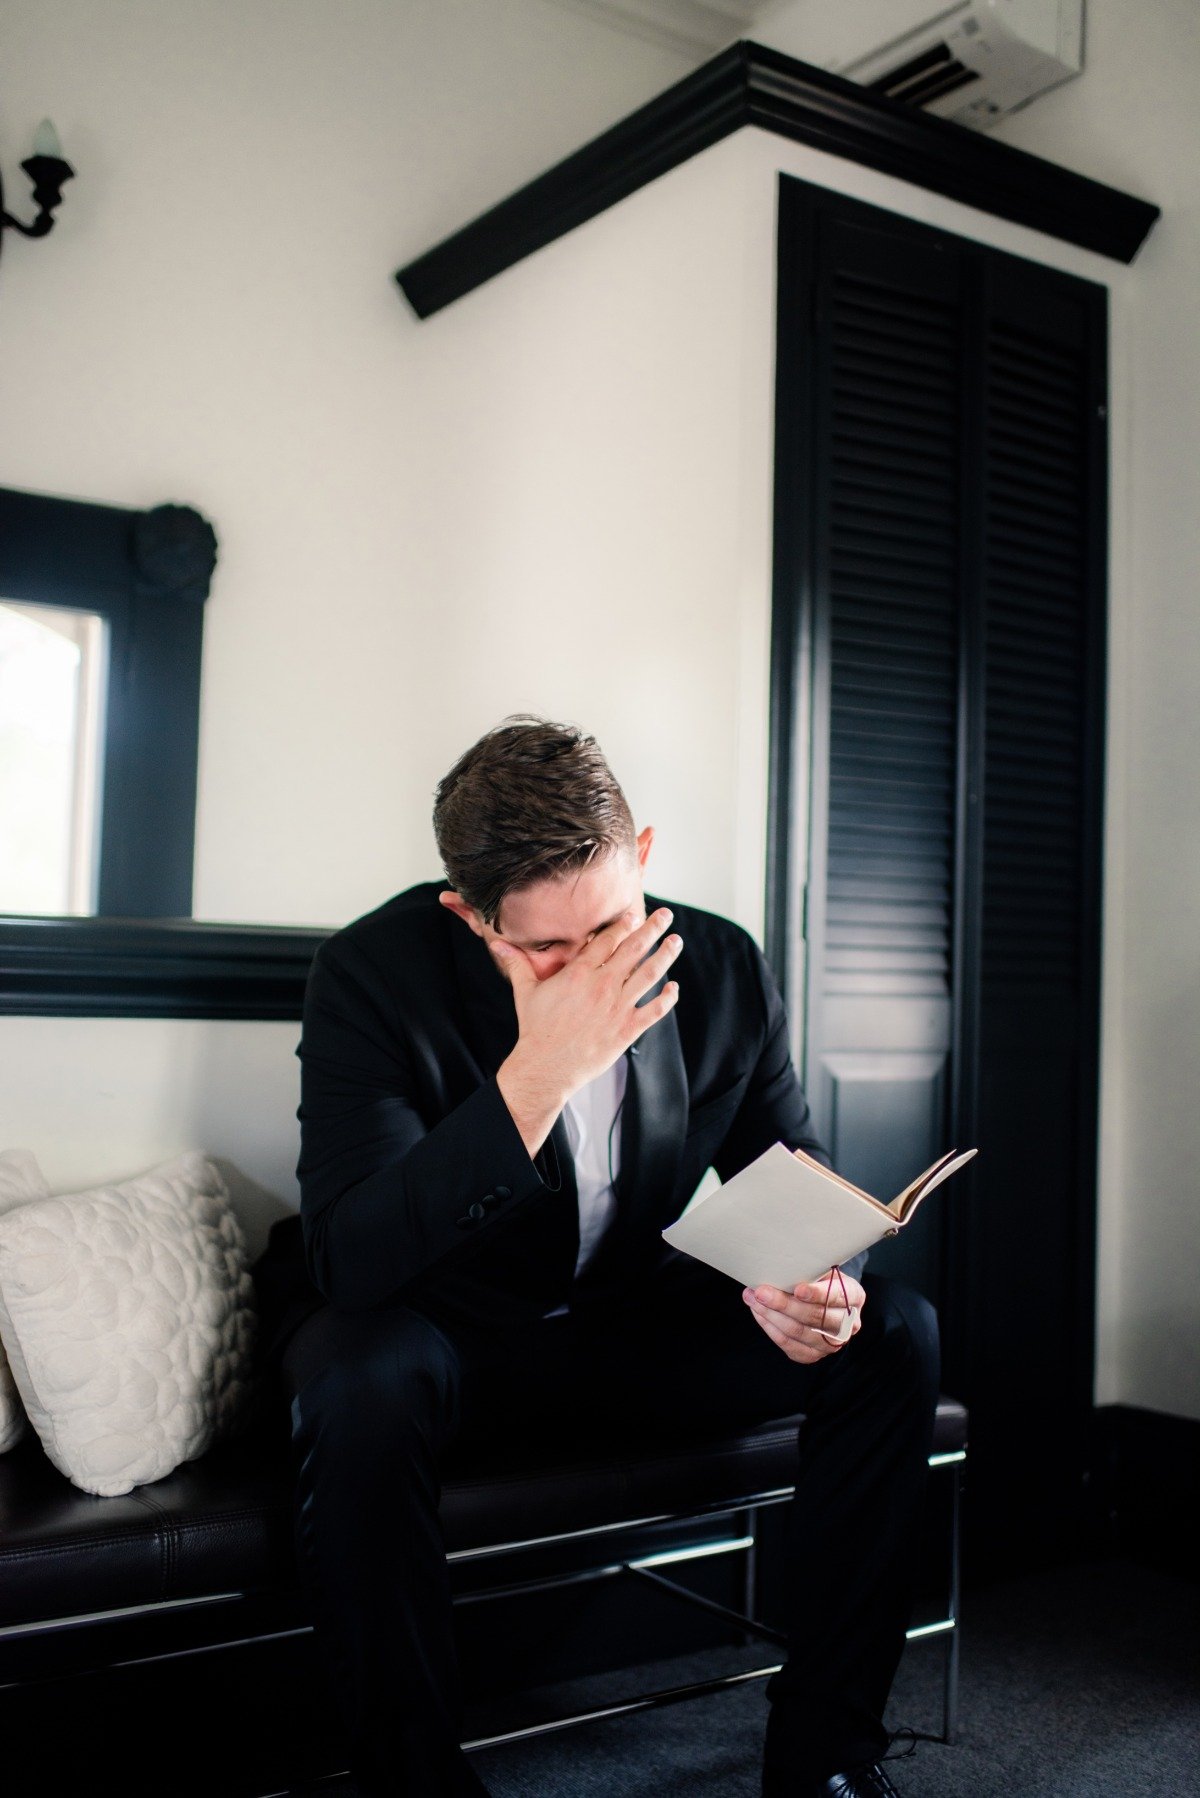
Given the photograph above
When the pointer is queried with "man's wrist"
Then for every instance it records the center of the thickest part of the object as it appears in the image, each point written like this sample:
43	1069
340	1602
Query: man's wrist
533	1104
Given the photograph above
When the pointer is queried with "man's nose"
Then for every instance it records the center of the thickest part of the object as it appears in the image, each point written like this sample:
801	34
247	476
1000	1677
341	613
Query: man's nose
552	963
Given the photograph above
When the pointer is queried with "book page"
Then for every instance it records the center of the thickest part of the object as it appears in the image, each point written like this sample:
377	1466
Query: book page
903	1206
899	1204
829	1174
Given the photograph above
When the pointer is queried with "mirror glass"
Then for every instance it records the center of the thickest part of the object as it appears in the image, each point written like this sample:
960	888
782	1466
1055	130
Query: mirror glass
53	675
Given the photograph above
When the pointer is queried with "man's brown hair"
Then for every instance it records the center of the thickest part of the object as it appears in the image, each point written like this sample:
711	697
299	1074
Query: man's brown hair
530	801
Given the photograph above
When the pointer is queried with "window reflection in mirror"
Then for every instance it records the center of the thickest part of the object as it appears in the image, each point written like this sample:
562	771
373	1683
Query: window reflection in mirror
104	624
53	669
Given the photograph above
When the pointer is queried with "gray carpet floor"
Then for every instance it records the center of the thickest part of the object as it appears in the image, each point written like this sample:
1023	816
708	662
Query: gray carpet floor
1081	1684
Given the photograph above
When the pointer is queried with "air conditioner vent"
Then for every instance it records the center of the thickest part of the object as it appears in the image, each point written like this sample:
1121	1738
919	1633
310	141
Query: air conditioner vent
977	60
925	77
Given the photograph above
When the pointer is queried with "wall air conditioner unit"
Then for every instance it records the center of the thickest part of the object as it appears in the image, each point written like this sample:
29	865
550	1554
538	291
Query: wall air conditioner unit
979	60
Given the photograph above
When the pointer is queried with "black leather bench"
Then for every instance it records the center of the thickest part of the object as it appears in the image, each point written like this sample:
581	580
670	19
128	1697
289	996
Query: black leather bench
205	1556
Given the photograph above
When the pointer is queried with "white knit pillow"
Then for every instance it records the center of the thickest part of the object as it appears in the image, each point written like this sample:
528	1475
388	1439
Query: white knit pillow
127	1313
21	1179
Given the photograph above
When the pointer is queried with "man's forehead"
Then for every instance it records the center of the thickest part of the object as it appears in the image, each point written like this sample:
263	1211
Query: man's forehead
572	907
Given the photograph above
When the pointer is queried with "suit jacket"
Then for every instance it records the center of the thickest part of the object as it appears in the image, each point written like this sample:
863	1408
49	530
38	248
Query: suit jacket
414	1181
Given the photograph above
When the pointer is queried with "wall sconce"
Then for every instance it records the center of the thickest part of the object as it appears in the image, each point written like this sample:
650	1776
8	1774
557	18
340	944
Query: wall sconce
47	170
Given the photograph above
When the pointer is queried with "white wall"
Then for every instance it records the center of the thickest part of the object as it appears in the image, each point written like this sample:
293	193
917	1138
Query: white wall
553	495
100	1099
214	320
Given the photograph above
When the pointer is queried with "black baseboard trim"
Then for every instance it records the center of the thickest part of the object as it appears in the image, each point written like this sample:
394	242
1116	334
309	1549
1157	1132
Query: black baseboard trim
1146	1485
749	84
153	968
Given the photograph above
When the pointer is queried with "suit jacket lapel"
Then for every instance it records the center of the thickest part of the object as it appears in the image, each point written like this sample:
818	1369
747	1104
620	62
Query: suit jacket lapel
653	1121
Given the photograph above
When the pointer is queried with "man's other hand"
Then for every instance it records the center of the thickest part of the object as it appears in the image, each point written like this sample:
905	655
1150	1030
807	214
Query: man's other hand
575	1024
798	1320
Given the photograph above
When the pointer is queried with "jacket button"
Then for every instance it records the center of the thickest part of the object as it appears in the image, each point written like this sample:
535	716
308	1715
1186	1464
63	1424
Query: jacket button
503	1192
476	1212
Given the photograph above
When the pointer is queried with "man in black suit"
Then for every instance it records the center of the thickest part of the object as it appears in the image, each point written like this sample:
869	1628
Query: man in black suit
505	1098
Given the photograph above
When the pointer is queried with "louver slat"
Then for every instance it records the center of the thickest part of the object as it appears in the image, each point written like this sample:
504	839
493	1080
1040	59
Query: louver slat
892	565
1034	608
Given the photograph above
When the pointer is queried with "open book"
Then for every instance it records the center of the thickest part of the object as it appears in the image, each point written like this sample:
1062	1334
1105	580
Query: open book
785	1218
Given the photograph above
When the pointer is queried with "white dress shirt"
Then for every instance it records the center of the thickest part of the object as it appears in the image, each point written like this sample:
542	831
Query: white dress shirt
592	1117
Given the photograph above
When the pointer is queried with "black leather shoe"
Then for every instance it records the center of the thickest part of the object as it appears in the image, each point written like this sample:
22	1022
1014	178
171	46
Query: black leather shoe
864	1782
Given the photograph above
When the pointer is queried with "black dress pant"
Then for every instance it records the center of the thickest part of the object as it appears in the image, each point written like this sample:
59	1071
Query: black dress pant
377	1397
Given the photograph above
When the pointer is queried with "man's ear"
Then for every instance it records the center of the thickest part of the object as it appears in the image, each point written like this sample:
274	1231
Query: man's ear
457	904
645	839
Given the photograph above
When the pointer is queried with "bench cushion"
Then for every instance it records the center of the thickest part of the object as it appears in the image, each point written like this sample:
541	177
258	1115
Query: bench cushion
223	1523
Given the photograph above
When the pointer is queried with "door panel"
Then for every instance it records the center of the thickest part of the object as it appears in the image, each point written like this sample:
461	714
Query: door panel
940	557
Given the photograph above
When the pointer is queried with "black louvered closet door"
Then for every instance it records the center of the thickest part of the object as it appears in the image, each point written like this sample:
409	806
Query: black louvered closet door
939	603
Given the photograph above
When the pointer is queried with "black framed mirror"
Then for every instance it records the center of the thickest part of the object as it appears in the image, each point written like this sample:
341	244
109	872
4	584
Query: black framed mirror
105	604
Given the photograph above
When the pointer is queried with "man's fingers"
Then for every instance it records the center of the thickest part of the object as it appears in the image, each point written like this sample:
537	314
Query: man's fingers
768	1327
802	1310
648	973
607	941
633	946
830	1286
796	1329
657	1008
822	1304
794	1350
514	965
799	1322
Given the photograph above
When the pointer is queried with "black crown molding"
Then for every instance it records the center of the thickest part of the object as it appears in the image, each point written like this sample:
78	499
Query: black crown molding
152	968
749	84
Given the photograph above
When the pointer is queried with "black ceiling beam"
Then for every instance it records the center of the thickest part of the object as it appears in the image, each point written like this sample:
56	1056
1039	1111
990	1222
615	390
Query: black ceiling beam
749	84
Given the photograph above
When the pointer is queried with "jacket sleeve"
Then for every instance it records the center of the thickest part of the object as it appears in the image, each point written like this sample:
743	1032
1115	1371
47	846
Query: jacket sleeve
386	1194
773	1108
